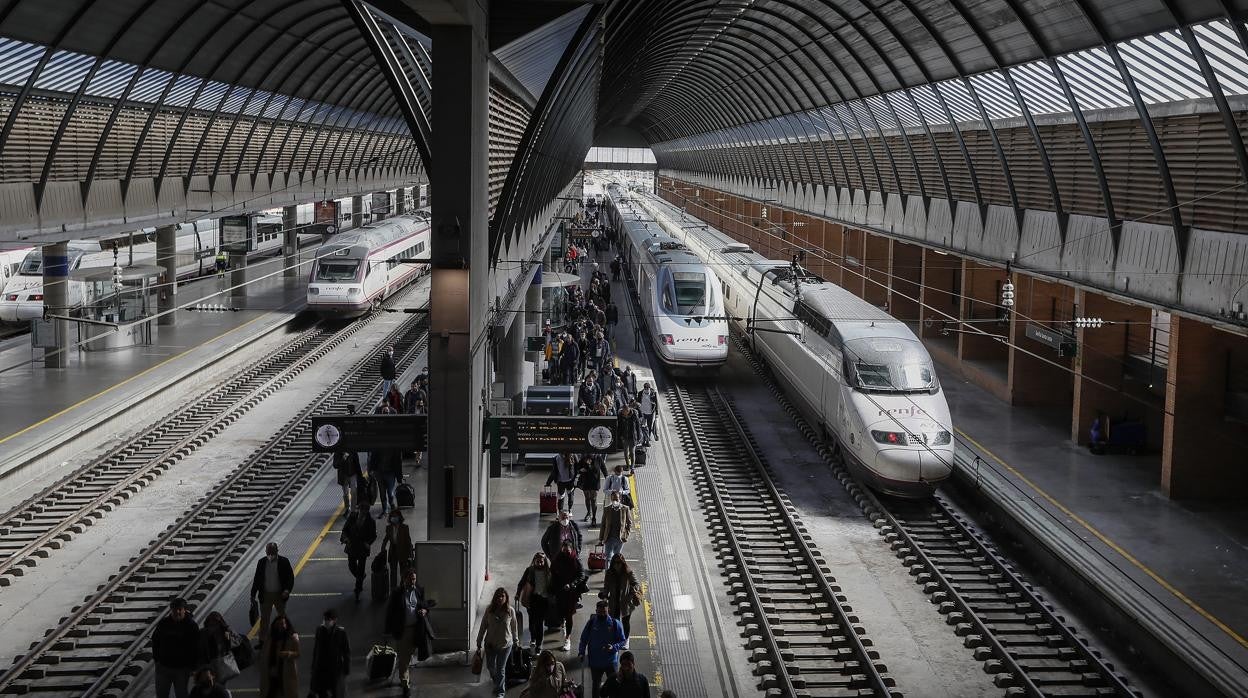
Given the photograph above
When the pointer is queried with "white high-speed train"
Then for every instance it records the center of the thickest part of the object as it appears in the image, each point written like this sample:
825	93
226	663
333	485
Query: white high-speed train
357	270
858	371
679	296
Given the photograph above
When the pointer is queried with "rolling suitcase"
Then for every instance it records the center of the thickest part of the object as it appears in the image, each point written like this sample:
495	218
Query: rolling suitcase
598	558
381	577
519	666
405	495
548	501
639	455
380	662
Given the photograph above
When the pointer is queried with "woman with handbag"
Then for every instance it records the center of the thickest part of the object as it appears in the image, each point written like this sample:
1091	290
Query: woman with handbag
216	648
565	579
548	678
621	591
497	635
534	594
279	670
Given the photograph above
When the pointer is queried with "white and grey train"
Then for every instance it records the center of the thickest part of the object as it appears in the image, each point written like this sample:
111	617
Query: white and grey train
196	245
680	297
356	270
858	371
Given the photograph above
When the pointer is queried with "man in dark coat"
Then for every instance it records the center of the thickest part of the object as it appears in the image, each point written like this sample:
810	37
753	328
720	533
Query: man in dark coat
271	586
175	650
358	534
562	529
407	621
388	371
331	658
570	361
627	682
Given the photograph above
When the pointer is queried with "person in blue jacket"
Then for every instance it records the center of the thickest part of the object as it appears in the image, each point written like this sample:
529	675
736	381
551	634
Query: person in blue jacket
603	637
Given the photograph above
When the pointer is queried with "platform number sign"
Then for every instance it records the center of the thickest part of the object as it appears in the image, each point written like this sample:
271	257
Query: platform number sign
549	434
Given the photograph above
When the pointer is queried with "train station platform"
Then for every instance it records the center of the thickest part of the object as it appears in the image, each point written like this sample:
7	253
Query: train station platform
49	406
1183	565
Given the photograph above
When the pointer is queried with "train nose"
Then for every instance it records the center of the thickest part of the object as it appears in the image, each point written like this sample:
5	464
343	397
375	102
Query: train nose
925	464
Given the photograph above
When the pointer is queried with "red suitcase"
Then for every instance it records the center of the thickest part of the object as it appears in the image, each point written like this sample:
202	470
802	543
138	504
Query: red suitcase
548	503
598	558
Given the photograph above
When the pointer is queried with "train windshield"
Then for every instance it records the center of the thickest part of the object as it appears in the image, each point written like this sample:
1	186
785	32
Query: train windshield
890	365
32	265
337	270
690	292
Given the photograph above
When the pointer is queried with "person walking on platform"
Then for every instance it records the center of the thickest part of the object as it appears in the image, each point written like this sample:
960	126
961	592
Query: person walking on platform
617	482
358	534
617	524
621	592
498	634
589	474
207	686
347	465
386	467
534	594
413	397
222	263
589	393
615	269
648	405
630	430
563	476
175	650
279	663
570	360
216	648
399	549
407	621
562	531
271	586
602	638
630	382
566	578
331	658
627	682
547	678
388	371
613	318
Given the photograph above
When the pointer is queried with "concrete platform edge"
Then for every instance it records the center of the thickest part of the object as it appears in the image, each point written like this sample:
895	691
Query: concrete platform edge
1181	653
119	408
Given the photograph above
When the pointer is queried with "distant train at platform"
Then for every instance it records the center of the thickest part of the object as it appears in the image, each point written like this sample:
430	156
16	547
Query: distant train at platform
681	302
857	371
355	271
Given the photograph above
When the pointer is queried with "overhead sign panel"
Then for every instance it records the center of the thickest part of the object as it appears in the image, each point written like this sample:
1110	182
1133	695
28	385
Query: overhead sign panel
236	234
368	432
550	434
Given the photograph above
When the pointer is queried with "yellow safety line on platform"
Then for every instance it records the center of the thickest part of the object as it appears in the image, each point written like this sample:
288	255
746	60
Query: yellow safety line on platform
1112	545
307	555
85	400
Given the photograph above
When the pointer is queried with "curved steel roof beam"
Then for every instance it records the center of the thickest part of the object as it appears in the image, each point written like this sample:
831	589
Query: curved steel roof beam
139	11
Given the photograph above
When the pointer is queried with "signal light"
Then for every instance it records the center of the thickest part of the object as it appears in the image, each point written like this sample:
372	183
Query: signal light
667	339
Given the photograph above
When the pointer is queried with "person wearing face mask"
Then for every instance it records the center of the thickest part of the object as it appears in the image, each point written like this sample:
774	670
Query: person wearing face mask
388	371
175	650
548	677
617	524
498	634
331	658
566	576
602	638
358	534
562	530
271	586
407	621
534	594
627	682
279	663
398	544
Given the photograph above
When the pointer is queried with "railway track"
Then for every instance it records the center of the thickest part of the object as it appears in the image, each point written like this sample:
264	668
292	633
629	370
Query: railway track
100	647
805	640
1027	647
44	522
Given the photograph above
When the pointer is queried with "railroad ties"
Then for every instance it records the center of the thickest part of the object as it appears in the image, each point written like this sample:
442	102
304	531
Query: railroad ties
800	629
101	647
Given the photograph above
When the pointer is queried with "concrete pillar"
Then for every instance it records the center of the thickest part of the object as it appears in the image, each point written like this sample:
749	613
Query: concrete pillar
512	355
459	298
357	211
238	274
167	259
533	303
1039	376
290	243
56	300
1206	393
399	197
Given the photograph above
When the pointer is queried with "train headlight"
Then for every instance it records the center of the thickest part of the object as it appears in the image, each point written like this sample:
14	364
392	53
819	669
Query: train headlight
11	297
667	339
938	438
314	291
723	339
353	292
889	437
33	297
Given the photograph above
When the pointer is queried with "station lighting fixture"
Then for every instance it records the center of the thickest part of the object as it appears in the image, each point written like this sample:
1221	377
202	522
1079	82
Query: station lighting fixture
213	308
1007	290
1089	323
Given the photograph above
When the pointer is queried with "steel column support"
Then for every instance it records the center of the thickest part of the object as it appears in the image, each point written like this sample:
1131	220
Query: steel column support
1102	182
1219	97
